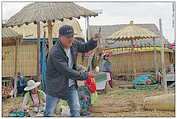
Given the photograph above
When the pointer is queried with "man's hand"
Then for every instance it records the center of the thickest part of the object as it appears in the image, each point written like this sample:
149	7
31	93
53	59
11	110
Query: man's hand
96	37
91	74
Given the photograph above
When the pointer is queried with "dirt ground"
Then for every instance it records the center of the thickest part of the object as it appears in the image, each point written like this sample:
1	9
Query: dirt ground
117	102
120	102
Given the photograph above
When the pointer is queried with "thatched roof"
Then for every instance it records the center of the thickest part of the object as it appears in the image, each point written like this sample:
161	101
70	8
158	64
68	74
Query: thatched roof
7	33
30	31
107	30
132	32
44	11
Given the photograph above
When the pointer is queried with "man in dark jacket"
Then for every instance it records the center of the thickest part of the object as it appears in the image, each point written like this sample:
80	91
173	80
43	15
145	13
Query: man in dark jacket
61	74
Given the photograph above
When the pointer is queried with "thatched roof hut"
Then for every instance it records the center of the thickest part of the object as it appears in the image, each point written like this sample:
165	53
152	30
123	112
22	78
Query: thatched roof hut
45	11
7	33
121	58
17	57
30	32
132	32
107	30
9	36
27	51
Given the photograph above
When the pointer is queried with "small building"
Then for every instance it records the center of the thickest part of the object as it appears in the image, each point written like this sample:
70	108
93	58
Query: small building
27	46
143	52
9	60
17	56
28	54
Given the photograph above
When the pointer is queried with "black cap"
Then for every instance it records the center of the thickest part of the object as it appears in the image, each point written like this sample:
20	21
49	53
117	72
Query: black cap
66	30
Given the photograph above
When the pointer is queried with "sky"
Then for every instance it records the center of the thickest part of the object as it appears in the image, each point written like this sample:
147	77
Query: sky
116	13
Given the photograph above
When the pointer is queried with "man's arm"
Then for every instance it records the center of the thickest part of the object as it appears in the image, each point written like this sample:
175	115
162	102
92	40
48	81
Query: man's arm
86	47
61	66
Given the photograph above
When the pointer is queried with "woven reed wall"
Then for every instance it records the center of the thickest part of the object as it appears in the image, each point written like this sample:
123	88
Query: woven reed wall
26	60
8	61
144	62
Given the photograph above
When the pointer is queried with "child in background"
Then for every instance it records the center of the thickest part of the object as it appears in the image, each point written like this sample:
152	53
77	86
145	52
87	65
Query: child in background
107	67
90	82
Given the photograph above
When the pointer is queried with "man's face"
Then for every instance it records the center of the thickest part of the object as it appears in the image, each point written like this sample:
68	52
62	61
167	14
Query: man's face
67	41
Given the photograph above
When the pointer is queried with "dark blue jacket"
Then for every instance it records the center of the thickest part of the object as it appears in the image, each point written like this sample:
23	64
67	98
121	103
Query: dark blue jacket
58	71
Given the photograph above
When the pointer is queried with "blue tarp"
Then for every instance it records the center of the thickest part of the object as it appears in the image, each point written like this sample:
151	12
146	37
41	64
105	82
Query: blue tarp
141	80
43	66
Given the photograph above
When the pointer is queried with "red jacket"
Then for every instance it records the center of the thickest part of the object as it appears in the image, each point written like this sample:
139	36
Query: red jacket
90	82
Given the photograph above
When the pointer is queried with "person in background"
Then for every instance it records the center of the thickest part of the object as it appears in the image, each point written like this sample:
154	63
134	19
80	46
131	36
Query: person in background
21	84
34	97
90	82
106	66
12	94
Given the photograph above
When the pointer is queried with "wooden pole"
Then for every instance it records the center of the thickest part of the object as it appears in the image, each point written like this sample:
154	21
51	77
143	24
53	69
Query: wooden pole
38	52
134	68
89	63
50	40
15	73
89	67
163	59
87	31
155	59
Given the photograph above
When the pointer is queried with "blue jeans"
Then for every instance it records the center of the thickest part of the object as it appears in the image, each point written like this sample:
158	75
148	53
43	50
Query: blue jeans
73	102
